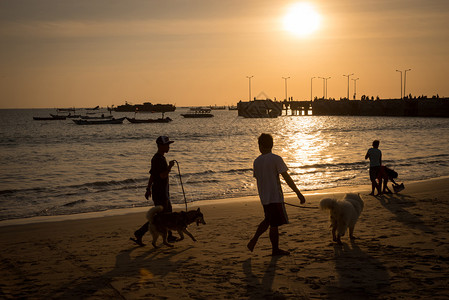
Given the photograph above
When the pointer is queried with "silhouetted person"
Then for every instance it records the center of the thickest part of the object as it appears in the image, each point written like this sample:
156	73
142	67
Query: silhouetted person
267	168
158	186
375	161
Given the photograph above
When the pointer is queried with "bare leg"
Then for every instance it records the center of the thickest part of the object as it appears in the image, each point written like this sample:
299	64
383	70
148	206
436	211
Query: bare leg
274	238
263	226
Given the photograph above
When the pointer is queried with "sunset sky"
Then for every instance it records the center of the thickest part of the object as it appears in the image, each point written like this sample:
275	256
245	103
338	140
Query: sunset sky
57	53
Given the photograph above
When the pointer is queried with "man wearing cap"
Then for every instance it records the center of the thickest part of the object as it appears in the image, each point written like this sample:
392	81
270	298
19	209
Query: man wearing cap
158	187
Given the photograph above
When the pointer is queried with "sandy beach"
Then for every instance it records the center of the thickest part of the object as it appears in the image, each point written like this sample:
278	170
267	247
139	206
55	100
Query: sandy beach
402	252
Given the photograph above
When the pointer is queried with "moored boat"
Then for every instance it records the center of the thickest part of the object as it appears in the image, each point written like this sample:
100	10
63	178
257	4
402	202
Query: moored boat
51	118
102	117
139	121
99	122
145	107
198	112
66	116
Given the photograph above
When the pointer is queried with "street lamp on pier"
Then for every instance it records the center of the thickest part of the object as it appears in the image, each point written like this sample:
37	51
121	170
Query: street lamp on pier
349	75
405	80
325	84
401	81
311	89
355	87
285	78
249	78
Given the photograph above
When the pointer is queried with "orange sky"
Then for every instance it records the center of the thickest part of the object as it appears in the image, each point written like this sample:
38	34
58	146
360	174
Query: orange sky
57	53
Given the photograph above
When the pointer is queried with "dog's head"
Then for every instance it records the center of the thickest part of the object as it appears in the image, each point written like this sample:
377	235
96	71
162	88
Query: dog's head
199	218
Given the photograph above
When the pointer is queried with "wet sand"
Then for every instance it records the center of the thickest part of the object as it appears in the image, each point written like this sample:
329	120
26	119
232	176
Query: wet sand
402	252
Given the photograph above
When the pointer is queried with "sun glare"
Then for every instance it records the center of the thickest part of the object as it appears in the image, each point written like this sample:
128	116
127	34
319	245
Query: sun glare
302	19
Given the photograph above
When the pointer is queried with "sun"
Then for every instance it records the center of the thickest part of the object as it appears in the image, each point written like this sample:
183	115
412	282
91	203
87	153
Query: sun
302	19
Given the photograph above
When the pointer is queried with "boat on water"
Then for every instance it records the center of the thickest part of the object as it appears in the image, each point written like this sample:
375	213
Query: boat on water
198	112
139	121
102	117
51	118
215	107
99	122
66	116
145	107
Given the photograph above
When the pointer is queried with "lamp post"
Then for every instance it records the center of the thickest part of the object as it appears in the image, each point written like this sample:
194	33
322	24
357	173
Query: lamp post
325	85
355	87
311	95
349	75
285	78
401	81
249	78
405	80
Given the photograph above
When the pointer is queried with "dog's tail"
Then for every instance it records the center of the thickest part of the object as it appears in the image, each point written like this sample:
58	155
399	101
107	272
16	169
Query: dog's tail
328	203
153	211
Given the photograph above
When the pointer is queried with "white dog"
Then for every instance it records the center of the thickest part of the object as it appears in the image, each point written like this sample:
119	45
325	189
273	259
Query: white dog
343	214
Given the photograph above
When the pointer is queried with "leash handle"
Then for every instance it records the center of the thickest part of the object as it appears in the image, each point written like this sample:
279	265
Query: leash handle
182	186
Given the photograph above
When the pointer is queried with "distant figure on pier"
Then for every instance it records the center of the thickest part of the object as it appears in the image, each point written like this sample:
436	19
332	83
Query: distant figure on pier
375	161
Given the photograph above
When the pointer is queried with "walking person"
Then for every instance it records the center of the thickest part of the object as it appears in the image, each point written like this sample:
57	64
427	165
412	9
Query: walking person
158	185
375	161
267	168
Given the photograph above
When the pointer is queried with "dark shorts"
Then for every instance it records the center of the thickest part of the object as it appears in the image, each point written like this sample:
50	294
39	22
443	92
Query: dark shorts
275	214
163	200
373	172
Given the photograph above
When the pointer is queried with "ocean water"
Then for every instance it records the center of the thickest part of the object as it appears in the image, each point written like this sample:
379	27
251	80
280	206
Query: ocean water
57	167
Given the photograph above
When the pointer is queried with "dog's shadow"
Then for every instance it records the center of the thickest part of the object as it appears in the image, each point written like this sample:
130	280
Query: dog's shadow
360	276
261	288
139	267
397	204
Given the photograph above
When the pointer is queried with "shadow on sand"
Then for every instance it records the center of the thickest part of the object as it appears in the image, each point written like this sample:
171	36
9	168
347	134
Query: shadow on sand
360	276
397	204
261	288
125	266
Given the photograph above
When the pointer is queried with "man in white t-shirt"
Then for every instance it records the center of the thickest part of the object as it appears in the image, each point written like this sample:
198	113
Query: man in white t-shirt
375	161
267	168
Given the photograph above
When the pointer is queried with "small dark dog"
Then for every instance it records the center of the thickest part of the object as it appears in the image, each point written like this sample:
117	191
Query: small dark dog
160	223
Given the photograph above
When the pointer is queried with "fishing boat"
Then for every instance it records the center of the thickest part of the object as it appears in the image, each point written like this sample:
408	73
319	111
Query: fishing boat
99	122
66	116
198	112
102	117
159	120
51	118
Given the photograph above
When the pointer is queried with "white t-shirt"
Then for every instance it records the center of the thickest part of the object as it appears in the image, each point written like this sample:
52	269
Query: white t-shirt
374	157
267	168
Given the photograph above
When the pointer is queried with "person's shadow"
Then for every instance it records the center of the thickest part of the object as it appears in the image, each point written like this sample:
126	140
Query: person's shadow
360	276
125	266
261	288
397	204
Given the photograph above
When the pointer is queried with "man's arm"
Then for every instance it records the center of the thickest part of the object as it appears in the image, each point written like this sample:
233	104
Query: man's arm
367	155
164	174
150	183
292	185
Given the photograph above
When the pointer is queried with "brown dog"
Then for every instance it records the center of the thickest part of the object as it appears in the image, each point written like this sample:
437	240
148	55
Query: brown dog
160	223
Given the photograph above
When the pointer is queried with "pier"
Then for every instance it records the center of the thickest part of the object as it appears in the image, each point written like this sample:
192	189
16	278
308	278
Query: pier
423	107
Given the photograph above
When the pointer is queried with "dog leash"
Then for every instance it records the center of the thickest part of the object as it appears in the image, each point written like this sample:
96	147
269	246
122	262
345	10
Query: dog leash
301	206
182	186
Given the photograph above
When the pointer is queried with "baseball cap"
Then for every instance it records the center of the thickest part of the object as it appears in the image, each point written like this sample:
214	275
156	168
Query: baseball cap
163	140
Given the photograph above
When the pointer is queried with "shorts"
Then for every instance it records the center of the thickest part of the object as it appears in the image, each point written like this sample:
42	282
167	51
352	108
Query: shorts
275	214
373	173
163	199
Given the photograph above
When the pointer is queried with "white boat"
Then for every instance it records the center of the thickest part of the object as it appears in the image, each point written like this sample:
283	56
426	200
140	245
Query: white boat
198	112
